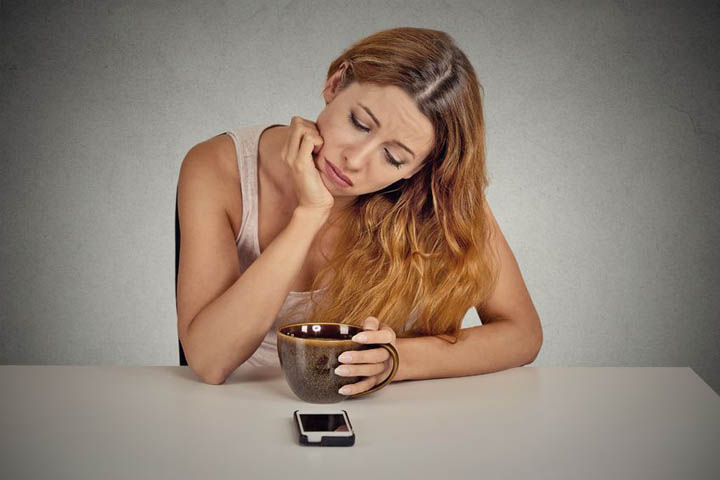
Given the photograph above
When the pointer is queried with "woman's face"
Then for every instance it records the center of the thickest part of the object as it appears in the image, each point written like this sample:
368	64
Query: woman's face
363	128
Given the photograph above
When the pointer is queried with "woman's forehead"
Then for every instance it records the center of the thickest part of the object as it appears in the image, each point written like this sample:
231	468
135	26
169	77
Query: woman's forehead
396	113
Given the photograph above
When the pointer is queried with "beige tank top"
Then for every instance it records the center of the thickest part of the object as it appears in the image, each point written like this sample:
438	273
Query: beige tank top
246	146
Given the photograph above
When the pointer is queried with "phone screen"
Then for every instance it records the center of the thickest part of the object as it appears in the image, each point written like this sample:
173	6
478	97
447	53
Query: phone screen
321	422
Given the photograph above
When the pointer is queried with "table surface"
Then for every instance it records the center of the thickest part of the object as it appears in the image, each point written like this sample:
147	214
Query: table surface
80	422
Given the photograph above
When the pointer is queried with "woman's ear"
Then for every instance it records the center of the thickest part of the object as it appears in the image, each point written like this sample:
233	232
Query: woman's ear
334	81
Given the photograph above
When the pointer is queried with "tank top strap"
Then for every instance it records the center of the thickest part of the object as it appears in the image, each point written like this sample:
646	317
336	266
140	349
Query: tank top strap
246	140
246	146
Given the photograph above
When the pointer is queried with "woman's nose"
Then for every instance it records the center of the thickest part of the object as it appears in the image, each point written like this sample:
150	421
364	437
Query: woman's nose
356	156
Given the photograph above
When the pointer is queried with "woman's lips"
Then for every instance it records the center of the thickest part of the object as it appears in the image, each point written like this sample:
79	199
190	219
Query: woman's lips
338	174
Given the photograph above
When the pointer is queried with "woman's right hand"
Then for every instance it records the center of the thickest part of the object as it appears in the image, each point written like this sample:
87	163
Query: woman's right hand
302	143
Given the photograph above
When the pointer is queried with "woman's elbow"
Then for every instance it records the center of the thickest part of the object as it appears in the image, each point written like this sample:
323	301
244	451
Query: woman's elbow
211	376
213	379
537	343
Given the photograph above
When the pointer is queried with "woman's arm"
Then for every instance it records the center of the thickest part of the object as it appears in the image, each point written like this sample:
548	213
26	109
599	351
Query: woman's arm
223	315
511	334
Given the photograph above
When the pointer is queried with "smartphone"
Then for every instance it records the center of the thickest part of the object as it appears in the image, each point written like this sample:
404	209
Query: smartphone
325	428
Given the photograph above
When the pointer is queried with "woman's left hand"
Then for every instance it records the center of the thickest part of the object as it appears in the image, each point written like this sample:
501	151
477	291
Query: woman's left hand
374	363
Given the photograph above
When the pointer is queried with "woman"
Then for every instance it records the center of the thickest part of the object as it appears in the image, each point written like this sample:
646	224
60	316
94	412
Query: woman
374	215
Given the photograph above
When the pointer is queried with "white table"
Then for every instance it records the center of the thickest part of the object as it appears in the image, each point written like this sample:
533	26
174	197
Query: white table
72	422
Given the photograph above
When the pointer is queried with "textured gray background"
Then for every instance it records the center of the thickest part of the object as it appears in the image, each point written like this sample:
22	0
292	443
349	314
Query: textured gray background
603	142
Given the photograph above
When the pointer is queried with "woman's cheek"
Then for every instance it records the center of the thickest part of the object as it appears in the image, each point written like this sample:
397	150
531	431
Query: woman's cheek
325	126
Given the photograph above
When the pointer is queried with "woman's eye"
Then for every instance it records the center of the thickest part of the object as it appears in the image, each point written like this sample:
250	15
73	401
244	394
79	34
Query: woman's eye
392	161
389	157
357	124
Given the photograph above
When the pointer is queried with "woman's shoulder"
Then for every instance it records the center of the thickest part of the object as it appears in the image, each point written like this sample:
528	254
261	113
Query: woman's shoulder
216	156
214	163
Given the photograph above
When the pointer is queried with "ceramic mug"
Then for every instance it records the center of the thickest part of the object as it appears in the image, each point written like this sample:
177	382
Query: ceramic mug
309	355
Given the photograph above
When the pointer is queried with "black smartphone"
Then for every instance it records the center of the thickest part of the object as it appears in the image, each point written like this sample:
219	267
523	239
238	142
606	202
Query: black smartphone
324	428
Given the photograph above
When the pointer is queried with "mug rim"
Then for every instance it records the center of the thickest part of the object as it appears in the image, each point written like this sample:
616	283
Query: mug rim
280	332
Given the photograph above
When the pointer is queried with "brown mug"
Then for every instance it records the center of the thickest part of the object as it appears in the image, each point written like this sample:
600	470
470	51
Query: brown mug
309	355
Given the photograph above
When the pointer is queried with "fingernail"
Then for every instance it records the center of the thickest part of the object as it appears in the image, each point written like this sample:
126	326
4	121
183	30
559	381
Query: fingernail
360	337
344	390
345	357
341	370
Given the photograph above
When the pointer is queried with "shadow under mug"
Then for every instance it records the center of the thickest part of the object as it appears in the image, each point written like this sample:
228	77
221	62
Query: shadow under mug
309	355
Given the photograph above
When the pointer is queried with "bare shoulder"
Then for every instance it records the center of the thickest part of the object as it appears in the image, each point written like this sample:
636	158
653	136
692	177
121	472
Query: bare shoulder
213	162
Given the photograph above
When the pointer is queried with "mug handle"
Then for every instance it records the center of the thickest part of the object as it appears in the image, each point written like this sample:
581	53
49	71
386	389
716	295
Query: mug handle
396	363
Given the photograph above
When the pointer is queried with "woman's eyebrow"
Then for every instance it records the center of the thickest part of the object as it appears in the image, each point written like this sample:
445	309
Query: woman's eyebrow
378	124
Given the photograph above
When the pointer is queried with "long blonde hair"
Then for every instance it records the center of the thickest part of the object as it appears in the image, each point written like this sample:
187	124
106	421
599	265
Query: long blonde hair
420	245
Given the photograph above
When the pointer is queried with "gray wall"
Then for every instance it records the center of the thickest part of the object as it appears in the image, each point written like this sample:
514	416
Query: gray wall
603	142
